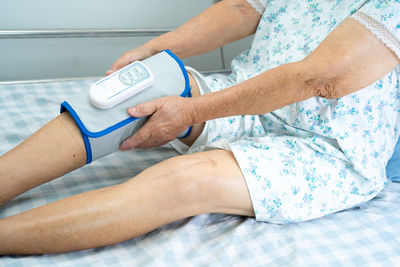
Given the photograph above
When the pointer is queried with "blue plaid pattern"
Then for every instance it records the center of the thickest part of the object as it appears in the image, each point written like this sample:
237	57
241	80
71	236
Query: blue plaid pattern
366	235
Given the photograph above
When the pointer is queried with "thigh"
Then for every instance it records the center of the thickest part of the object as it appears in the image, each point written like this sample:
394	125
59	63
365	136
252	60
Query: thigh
204	182
226	182
294	179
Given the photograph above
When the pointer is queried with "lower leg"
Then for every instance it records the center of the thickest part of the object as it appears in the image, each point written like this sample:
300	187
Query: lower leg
210	182
54	150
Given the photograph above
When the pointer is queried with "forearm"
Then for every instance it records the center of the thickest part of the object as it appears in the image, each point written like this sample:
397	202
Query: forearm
222	23
261	94
349	59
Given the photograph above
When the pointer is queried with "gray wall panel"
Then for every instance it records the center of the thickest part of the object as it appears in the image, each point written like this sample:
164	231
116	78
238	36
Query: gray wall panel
38	58
43	58
62	14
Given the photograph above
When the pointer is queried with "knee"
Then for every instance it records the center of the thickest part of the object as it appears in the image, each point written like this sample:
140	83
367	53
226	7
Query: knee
190	181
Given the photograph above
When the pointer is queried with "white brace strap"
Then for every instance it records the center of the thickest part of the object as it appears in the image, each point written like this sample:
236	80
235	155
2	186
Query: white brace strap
104	130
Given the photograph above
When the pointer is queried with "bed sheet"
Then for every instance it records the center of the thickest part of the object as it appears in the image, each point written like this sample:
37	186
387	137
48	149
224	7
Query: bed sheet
366	235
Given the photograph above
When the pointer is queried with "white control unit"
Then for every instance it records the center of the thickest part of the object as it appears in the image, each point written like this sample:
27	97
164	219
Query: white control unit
121	85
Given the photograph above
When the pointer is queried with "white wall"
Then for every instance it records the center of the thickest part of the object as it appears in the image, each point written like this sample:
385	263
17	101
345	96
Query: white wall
43	58
61	14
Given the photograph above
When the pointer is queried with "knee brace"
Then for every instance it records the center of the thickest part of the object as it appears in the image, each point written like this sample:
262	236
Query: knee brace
104	130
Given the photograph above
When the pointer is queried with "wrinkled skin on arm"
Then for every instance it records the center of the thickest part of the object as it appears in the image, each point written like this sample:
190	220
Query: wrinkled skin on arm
349	59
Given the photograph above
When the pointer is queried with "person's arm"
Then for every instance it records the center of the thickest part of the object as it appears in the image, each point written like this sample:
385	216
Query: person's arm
349	59
222	23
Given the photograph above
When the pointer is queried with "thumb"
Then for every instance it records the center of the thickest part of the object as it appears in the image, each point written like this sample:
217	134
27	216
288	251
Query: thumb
124	60
130	56
144	109
120	63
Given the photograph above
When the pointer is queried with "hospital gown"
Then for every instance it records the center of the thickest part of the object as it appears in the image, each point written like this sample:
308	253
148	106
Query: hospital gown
317	156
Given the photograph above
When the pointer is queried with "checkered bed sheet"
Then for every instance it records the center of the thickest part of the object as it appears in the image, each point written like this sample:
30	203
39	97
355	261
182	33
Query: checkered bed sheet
365	235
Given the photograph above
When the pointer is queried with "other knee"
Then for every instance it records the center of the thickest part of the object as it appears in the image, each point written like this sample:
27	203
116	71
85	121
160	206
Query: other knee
190	181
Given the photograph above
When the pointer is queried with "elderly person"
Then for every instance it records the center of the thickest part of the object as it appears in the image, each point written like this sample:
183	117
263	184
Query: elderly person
303	127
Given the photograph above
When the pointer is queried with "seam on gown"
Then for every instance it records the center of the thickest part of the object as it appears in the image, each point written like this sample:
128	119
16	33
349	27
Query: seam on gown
381	32
257	5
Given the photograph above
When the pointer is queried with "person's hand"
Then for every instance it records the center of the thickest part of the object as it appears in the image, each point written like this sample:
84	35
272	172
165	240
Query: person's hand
130	56
170	116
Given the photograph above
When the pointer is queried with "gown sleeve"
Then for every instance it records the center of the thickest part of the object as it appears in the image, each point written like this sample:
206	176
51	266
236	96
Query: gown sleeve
258	5
382	18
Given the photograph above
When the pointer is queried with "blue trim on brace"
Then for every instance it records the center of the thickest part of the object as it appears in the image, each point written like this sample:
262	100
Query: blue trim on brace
110	129
65	106
189	130
187	133
88	148
186	92
85	138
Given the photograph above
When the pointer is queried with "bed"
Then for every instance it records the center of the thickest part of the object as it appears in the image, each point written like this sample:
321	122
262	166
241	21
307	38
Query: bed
365	235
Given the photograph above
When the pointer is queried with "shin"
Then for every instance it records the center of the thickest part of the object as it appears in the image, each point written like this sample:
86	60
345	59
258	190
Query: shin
54	150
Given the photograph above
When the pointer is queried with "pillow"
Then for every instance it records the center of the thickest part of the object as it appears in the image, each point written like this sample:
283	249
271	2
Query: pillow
393	166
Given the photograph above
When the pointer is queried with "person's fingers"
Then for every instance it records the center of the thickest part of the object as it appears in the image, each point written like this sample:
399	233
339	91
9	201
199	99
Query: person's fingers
109	72
144	109
151	134
129	57
121	62
168	117
139	137
143	134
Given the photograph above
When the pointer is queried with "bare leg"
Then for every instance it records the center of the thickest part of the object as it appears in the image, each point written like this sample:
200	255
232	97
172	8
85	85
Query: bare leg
51	152
183	186
211	182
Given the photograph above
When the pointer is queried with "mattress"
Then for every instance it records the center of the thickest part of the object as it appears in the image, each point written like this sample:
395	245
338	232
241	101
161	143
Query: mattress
365	235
